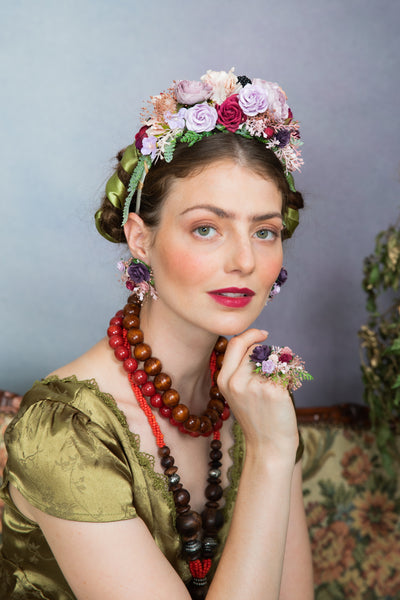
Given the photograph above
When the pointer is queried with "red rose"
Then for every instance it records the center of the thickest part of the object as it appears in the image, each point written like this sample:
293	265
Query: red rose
285	358
269	132
230	114
142	133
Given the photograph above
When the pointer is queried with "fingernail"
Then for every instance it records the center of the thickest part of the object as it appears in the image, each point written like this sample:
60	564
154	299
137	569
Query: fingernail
264	331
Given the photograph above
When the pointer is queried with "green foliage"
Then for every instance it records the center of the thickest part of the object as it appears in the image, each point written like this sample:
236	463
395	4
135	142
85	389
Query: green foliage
380	340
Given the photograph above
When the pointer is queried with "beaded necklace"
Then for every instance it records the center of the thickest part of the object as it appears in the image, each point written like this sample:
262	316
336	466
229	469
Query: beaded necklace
126	338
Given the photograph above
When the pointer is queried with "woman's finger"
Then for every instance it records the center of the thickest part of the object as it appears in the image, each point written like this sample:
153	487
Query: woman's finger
237	349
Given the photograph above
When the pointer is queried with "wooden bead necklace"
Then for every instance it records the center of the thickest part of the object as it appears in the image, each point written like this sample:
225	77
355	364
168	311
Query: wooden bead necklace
126	338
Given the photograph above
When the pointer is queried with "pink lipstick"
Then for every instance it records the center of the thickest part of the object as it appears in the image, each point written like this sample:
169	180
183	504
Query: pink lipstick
232	297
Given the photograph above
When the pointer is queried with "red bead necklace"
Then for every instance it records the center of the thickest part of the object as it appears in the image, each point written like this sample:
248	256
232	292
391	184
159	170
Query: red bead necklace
126	338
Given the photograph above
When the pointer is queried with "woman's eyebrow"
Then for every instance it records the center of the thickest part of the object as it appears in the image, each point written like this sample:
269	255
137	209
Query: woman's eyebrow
220	212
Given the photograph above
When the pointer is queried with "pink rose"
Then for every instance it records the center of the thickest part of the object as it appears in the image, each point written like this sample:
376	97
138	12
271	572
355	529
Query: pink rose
192	92
142	133
230	114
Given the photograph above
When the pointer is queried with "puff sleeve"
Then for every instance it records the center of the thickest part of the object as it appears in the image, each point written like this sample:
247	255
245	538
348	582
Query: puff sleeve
67	465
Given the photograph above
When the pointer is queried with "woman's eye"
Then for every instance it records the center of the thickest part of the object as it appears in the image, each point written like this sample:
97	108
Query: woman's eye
205	231
265	234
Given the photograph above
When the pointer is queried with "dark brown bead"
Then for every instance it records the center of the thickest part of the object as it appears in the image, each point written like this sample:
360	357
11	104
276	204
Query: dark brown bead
216	373
171	398
162	381
182	509
152	366
180	413
212	415
215	464
212	504
192	423
188	524
171	471
217	405
174	487
131	309
205	425
214	480
167	461
213	492
220	360
133	299
215	454
164	451
215	394
142	352
181	497
134	336
213	519
221	344
216	444
130	321
197	592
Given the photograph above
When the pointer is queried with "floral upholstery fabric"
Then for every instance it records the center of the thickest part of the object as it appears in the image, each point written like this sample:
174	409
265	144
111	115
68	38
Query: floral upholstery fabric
353	510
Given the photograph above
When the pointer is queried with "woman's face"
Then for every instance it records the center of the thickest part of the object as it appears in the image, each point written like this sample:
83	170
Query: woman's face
218	248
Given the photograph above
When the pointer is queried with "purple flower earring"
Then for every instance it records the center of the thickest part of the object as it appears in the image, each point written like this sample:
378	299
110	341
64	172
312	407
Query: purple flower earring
280	280
138	278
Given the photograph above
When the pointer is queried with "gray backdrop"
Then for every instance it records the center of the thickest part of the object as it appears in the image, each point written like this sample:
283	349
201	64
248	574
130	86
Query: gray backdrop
74	77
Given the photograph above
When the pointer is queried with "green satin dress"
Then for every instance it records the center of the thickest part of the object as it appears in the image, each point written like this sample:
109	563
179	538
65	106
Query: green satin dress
71	455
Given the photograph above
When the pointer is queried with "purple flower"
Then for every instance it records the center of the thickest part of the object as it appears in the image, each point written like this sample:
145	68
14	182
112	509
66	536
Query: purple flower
201	117
283	275
268	366
192	92
149	146
138	273
253	100
260	353
176	120
283	137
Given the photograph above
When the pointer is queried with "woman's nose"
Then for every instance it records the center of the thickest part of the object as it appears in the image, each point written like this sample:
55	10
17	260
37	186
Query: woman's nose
240	256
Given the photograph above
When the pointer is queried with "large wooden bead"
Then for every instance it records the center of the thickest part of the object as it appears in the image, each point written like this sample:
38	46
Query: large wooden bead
167	461
192	423
142	352
133	299
217	405
213	519
162	381
215	454
205	425
131	309
164	451
213	492
221	344
212	415
152	366
215	394
220	360
180	413
134	336
170	398
216	444
181	497
216	373
188	524
130	321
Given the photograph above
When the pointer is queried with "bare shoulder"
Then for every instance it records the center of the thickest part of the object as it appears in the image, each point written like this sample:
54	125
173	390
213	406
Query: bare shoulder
91	365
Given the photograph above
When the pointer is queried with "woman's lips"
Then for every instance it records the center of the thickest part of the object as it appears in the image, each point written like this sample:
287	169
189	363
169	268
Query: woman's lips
232	297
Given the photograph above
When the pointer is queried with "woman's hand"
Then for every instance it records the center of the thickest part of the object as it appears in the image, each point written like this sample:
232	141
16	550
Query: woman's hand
264	409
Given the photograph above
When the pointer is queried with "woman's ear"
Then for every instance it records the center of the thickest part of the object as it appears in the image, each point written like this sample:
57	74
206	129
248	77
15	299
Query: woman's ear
138	236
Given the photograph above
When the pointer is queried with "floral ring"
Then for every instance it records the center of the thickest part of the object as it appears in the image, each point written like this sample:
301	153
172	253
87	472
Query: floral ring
280	365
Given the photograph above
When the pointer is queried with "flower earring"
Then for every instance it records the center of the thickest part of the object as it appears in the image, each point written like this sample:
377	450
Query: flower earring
138	278
280	280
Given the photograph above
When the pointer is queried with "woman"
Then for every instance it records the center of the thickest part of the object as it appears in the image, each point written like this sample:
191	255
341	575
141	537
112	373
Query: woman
205	196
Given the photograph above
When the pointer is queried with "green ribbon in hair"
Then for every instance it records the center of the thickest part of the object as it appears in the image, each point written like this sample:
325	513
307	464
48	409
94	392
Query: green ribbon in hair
291	219
116	191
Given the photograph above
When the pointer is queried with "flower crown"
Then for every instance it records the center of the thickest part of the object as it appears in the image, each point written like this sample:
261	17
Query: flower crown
192	110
